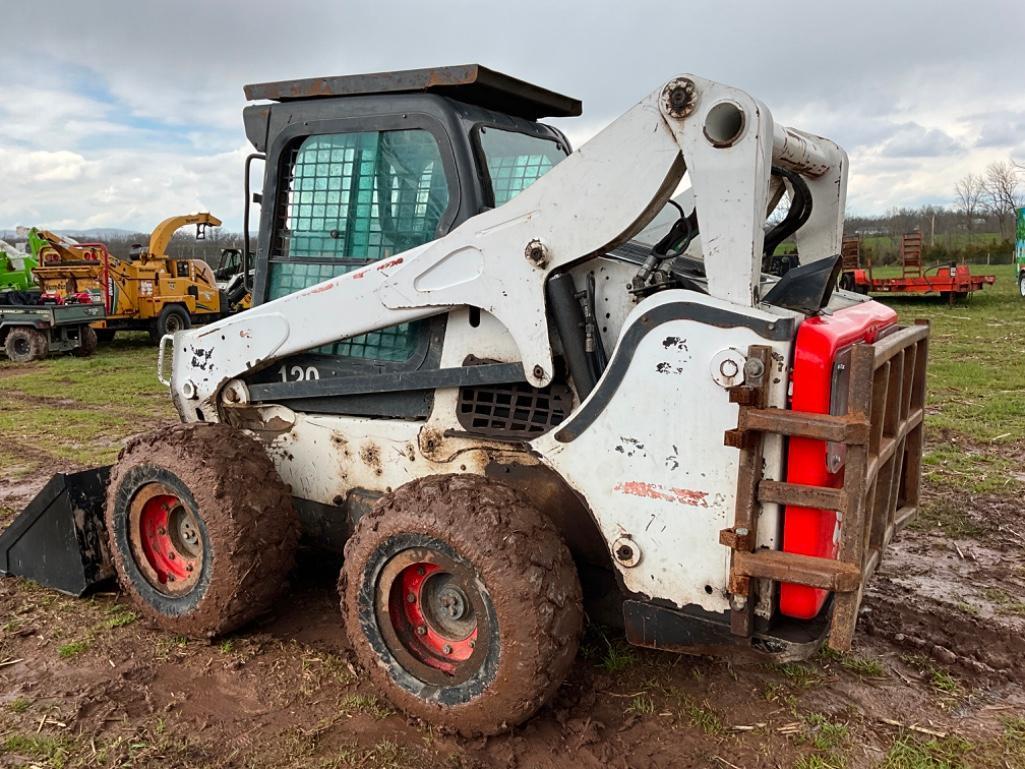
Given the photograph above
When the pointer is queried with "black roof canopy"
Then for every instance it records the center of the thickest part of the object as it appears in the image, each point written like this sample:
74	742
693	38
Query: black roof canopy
469	83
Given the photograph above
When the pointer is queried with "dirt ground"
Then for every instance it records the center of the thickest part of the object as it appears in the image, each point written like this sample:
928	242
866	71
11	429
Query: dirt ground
935	680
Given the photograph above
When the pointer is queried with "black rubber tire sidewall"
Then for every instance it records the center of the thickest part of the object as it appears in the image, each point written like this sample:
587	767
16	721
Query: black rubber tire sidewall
1021	284
526	571
133	480
249	526
87	342
37	342
450	696
172	310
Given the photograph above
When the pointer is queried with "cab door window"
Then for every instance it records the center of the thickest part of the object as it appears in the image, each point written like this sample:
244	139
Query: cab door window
352	199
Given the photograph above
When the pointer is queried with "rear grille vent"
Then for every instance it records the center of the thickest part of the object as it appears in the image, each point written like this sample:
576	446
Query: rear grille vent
516	410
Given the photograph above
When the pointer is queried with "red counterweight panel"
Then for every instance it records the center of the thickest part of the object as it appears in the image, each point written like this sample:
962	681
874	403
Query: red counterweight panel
813	531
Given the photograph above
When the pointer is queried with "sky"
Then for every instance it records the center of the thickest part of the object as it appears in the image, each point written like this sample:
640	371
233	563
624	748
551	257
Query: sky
119	114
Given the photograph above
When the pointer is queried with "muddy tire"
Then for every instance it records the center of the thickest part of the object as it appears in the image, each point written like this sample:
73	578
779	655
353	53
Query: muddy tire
26	344
201	528
87	343
461	602
172	318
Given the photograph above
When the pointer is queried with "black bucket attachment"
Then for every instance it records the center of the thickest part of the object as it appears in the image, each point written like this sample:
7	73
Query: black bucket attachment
60	540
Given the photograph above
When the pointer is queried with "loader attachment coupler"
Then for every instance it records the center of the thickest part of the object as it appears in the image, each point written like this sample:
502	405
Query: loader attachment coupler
59	539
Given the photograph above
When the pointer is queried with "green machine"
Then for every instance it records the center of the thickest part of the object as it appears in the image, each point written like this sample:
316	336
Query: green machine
1019	251
16	269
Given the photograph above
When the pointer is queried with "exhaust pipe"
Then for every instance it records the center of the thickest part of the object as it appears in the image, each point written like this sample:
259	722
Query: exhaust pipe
60	540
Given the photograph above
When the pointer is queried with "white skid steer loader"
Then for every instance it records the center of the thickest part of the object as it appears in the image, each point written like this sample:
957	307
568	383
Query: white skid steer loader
468	367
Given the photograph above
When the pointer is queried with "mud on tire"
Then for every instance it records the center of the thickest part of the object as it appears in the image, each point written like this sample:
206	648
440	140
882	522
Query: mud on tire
25	344
87	342
493	639
201	528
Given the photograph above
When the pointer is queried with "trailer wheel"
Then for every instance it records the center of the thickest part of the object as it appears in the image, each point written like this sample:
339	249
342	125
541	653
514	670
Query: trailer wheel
173	318
202	530
461	602
25	344
87	342
1021	284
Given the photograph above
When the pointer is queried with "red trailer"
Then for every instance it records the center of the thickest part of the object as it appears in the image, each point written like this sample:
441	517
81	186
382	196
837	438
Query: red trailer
953	281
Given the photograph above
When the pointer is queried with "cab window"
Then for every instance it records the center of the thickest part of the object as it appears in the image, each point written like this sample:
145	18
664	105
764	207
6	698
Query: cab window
515	160
353	199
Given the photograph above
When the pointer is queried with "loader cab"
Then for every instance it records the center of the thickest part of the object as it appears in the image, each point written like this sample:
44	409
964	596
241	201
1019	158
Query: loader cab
360	168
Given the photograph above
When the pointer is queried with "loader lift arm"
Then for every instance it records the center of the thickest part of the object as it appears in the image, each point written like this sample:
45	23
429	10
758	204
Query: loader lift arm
594	200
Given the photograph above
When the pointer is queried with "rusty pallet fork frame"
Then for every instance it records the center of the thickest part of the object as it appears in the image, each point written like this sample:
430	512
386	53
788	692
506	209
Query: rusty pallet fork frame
882	432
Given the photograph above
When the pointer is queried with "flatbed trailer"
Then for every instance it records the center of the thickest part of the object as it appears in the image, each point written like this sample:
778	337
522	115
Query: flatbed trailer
950	281
31	332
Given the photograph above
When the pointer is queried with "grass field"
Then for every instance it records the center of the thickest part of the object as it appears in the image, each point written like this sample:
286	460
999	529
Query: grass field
86	683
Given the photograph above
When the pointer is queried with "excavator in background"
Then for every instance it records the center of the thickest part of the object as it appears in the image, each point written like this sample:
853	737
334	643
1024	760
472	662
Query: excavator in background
150	291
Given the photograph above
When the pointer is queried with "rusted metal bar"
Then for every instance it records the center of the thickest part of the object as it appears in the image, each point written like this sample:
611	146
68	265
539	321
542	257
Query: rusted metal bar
823	427
749	474
852	526
810	570
891	344
802	496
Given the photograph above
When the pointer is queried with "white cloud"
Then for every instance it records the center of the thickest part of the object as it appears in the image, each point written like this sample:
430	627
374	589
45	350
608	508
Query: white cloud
130	115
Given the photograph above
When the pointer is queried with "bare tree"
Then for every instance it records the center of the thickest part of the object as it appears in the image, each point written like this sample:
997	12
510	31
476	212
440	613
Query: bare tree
969	191
1003	194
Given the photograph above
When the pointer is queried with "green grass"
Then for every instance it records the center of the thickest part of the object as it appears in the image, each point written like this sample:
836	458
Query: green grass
828	738
72	649
78	410
976	359
863	666
41	747
365	704
641	705
942	681
19	704
951	752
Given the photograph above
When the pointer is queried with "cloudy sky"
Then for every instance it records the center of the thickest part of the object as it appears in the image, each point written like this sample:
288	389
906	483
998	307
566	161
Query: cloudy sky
117	114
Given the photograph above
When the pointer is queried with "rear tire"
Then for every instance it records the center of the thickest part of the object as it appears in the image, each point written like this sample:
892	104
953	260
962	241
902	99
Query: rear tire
461	543
25	344
173	318
201	528
87	343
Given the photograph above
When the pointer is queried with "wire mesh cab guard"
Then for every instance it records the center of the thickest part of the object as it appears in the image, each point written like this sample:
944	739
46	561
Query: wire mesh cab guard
883	435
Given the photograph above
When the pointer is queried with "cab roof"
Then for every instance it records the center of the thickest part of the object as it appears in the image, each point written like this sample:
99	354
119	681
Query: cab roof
470	83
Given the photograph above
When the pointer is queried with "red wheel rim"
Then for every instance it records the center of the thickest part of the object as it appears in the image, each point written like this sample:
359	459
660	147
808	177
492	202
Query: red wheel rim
433	616
166	540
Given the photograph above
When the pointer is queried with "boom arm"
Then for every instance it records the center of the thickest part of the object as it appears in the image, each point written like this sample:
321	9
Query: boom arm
597	198
163	232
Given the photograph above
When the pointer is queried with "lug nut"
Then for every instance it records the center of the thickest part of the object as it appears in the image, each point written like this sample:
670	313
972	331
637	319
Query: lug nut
411	598
447	649
421	570
421	630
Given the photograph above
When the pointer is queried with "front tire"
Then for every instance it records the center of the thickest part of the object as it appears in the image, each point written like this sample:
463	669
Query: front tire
1021	284
25	344
201	528
461	602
